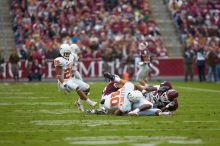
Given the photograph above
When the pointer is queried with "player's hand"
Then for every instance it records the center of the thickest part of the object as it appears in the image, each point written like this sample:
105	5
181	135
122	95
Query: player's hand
67	88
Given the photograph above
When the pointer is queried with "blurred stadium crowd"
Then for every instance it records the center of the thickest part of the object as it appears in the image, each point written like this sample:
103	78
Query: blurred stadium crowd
98	26
112	29
198	24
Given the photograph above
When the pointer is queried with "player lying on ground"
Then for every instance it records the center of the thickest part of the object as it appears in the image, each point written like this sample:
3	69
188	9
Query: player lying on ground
164	100
140	105
117	98
66	81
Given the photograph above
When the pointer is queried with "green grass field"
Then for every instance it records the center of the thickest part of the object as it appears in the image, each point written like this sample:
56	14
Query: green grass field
36	114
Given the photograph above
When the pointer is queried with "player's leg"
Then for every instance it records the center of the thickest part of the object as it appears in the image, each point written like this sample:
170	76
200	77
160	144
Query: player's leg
82	90
150	112
141	76
119	82
77	75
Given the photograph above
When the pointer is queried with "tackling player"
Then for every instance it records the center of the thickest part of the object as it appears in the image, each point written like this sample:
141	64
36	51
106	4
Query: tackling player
63	66
119	95
164	103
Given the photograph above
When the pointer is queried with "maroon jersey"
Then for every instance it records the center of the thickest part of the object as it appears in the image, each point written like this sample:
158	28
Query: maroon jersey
109	89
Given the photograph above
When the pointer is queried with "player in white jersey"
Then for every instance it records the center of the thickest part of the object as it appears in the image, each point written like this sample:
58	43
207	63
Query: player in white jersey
144	66
117	102
119	95
63	66
75	57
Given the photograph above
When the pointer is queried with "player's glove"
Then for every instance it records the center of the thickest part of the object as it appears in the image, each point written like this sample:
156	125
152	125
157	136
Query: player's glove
67	88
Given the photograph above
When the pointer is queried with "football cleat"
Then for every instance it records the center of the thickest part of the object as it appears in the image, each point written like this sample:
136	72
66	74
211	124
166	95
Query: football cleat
109	76
79	106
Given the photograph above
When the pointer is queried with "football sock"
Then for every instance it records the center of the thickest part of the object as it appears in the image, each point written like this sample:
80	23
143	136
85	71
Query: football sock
80	101
89	101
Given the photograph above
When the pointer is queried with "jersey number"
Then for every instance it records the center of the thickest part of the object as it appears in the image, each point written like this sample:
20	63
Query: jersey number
68	73
115	98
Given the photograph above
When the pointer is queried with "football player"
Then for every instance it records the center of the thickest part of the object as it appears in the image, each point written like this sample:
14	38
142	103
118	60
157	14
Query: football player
164	103
144	65
75	53
63	67
115	87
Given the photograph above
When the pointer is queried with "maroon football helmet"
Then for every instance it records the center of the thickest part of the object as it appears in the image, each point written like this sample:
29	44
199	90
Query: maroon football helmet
172	94
166	83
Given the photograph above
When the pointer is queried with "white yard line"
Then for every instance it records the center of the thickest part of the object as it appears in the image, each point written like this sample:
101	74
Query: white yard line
52	111
109	130
31	103
200	121
198	89
24	97
133	140
103	140
91	123
16	93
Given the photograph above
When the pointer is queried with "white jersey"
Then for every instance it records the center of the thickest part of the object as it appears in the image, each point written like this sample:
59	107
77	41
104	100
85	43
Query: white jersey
119	100
66	67
143	71
74	58
75	61
67	74
141	101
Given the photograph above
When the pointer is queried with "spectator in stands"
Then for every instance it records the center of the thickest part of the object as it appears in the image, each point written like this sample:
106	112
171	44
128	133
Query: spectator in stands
1	67
188	63
14	59
211	62
200	62
35	71
94	25
218	64
108	57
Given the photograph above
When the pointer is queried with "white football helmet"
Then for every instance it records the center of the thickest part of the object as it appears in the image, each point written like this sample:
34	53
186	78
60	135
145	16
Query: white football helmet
143	46
134	96
65	51
74	48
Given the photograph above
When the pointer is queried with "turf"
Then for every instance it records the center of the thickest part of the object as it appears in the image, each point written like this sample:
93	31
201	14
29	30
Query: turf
37	114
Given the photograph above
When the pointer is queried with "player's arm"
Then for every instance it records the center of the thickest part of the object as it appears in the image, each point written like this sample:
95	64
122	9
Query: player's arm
172	106
145	88
59	77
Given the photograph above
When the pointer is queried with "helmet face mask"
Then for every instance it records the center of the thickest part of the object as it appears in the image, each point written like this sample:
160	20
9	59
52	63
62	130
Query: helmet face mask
66	55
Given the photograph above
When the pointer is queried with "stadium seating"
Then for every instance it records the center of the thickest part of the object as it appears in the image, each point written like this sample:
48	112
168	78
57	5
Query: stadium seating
198	21
95	25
